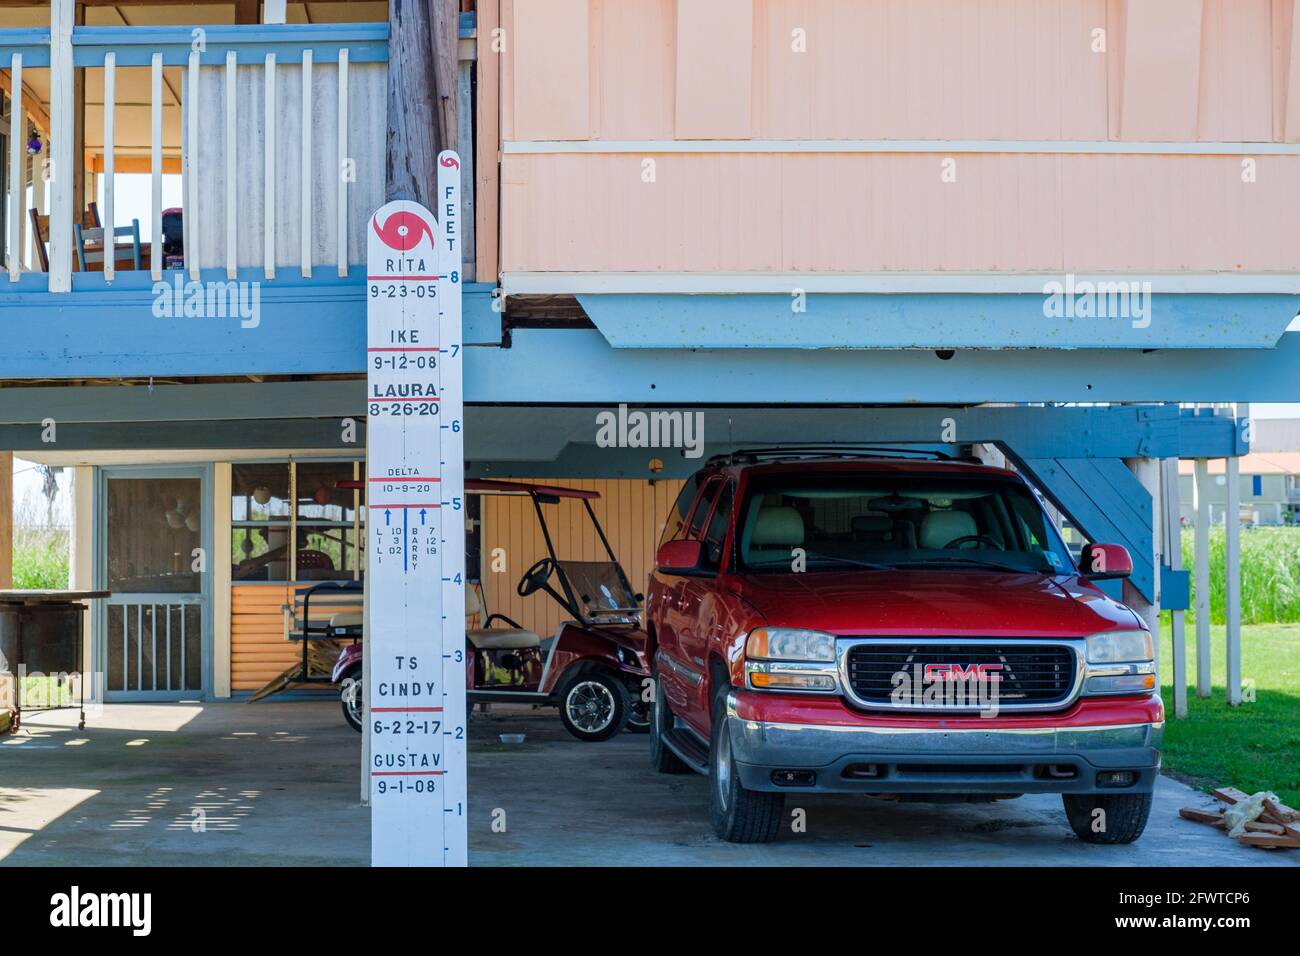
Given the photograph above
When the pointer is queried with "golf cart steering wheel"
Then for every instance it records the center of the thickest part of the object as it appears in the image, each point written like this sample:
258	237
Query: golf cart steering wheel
958	542
535	578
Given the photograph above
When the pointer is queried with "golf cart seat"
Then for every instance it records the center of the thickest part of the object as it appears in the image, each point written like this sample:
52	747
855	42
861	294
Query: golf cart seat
495	638
502	638
347	619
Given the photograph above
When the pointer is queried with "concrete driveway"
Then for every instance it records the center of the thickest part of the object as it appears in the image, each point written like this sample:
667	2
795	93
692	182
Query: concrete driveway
277	784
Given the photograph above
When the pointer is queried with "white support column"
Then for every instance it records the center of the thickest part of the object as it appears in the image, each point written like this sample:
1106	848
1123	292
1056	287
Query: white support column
1201	500
305	226
232	178
110	163
62	113
1147	471
274	11
156	165
341	212
189	219
1232	574
268	187
1173	549
16	166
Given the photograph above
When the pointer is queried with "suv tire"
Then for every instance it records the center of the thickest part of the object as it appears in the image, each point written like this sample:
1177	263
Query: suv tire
662	759
1126	815
739	815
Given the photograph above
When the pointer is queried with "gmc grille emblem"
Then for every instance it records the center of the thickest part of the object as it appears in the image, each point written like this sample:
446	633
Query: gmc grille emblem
956	672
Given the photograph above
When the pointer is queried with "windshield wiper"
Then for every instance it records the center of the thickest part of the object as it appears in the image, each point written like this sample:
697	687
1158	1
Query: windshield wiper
850	562
968	562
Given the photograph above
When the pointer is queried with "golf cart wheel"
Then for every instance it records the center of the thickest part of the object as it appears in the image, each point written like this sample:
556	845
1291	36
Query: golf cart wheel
1125	816
354	709
661	721
739	815
594	706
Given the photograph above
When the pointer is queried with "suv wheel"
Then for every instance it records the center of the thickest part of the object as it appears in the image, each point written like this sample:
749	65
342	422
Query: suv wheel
594	706
739	815
1125	815
661	721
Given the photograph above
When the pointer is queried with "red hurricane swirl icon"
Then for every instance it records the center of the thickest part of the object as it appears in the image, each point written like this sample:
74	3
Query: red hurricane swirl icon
402	231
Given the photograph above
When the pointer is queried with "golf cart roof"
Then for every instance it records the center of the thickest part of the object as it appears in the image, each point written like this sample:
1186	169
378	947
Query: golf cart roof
491	486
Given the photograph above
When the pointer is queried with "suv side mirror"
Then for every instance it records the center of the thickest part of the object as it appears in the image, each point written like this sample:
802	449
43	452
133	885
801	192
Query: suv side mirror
1103	562
679	557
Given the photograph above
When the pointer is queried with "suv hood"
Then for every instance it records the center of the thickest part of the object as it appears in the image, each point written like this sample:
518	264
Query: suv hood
934	603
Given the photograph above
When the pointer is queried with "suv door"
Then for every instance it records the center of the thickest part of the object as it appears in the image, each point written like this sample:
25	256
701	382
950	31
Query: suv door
679	685
697	601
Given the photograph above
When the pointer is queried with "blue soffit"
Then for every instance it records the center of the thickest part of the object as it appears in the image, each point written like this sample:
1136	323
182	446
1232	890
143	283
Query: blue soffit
942	320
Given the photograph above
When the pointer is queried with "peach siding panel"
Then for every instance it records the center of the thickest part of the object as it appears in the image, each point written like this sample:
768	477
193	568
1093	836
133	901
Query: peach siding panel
715	45
1172	70
1162	54
1289	55
550	80
631	512
865	213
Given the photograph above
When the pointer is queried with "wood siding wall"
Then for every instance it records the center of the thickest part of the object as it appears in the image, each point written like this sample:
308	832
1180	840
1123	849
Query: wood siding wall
631	512
258	650
665	71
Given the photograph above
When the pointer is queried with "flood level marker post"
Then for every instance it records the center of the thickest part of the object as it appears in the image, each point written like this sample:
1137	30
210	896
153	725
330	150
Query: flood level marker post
415	480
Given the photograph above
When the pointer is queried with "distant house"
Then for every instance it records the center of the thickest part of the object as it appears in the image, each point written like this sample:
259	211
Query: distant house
1270	489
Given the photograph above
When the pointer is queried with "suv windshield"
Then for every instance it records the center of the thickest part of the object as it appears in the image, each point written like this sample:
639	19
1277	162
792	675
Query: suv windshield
895	521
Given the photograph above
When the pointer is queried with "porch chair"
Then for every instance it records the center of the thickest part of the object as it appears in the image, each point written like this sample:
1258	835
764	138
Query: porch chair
41	231
107	238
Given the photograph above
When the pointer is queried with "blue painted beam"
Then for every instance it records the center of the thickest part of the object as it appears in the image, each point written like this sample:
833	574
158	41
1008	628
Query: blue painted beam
138	328
135	46
580	366
33	44
318	326
933	321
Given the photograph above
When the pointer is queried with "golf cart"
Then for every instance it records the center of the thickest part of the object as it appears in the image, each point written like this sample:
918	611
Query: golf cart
591	668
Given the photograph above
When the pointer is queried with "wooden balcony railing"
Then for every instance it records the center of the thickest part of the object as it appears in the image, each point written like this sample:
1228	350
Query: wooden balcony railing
281	142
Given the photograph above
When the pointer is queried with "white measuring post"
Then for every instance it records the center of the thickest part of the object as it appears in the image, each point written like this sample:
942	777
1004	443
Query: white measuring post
415	638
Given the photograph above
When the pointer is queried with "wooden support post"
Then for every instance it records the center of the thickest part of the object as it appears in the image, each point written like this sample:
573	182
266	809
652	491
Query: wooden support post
1201	501
79	170
246	11
6	519
1232	582
421	113
1173	550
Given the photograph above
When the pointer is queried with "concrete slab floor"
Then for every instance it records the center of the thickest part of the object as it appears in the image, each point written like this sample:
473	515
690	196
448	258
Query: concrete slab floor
277	783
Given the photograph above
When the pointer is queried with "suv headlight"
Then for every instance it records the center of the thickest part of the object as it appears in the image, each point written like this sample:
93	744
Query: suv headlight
791	659
1119	662
790	644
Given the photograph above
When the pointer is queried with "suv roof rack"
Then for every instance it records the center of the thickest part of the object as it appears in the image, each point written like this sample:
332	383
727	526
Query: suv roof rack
750	456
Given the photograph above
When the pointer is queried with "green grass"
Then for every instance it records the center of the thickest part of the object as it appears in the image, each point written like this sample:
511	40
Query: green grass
1270	574
40	558
1252	747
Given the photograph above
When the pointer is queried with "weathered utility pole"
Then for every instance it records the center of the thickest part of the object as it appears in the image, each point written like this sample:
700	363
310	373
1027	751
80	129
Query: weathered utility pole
422	61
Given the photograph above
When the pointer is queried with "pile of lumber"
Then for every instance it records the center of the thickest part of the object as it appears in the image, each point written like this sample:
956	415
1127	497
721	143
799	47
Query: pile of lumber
1258	819
321	656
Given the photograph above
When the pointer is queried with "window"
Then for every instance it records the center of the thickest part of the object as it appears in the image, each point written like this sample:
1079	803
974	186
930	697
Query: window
870	521
716	535
701	512
292	522
681	509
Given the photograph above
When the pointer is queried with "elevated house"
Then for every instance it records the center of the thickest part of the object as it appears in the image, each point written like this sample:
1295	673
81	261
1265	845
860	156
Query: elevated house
1026	229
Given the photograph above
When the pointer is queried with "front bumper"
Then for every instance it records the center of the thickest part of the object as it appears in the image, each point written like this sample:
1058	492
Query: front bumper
945	756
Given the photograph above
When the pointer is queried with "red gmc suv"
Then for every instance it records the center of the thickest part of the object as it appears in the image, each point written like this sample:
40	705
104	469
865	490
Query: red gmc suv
823	621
